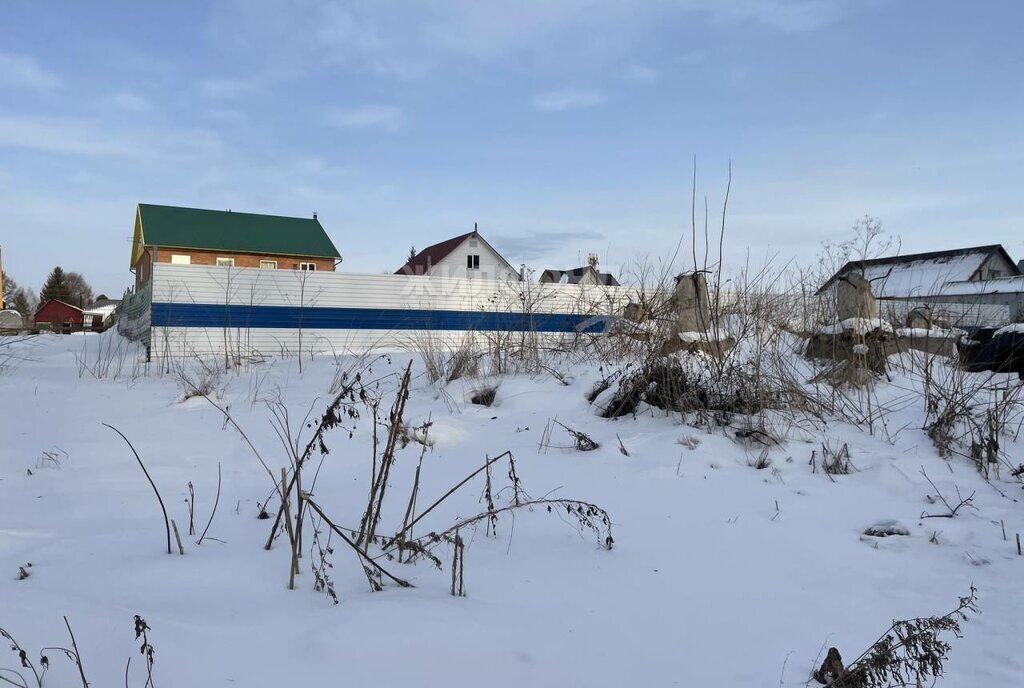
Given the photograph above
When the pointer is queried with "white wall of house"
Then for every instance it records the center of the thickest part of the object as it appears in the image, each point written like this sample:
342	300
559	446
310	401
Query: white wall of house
489	265
995	267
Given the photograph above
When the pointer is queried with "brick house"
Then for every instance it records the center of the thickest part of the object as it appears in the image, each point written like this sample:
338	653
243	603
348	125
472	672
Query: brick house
168	234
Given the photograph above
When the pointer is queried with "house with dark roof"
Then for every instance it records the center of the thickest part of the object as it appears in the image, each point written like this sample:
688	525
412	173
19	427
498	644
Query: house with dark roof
922	275
169	234
975	286
466	255
588	274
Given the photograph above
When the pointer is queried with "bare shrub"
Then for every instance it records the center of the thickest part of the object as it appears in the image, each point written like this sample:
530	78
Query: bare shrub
970	414
910	652
447	362
685	384
836	461
951	510
761	462
36	669
110	357
202	379
580	440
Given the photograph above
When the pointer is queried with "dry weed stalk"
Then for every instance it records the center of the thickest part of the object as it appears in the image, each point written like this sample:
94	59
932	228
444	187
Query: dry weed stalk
167	524
378	485
909	653
951	511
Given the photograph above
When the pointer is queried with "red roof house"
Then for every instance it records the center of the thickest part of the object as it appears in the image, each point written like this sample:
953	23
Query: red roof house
59	315
466	255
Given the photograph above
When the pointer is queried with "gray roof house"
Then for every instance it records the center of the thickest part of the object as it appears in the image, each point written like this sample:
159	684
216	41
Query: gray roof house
974	286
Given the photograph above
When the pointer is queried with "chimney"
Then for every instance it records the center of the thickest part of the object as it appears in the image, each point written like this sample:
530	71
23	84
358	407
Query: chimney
592	260
314	214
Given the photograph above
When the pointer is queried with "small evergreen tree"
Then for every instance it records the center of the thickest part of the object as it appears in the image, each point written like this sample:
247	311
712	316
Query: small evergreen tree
56	286
412	252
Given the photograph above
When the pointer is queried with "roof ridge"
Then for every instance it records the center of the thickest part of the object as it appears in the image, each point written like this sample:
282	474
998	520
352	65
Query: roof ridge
233	212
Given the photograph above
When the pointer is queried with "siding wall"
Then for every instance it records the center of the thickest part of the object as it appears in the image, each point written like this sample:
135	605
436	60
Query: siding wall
995	263
963	312
492	266
249	311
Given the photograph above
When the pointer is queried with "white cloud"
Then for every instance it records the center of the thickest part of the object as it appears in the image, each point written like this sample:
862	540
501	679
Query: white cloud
89	138
386	117
639	74
569	99
130	102
402	39
21	70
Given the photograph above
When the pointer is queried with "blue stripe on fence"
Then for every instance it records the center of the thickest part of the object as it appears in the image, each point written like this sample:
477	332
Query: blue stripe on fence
295	317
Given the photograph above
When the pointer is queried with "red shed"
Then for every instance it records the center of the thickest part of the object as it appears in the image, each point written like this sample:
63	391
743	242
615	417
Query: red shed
59	315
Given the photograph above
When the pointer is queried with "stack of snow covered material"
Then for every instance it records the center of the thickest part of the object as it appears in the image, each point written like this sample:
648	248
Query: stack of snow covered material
856	326
936	340
865	342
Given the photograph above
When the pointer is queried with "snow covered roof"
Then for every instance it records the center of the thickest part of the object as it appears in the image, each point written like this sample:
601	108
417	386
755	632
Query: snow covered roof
921	274
575	275
102	311
999	285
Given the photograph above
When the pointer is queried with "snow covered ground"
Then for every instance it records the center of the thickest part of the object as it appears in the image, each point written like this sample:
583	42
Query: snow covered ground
722	574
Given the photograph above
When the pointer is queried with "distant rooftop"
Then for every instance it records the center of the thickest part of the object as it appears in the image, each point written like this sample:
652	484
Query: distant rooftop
922	274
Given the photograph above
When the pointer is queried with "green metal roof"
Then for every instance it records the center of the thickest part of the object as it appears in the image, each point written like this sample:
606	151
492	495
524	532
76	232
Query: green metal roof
225	230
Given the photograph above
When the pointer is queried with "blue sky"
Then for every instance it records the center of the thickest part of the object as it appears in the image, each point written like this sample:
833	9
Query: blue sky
562	127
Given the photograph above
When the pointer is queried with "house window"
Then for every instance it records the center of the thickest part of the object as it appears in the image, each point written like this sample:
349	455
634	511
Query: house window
473	262
226	262
270	264
307	266
472	243
178	259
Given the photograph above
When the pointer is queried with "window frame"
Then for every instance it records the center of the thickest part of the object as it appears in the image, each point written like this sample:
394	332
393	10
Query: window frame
268	264
186	256
308	267
472	261
224	262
